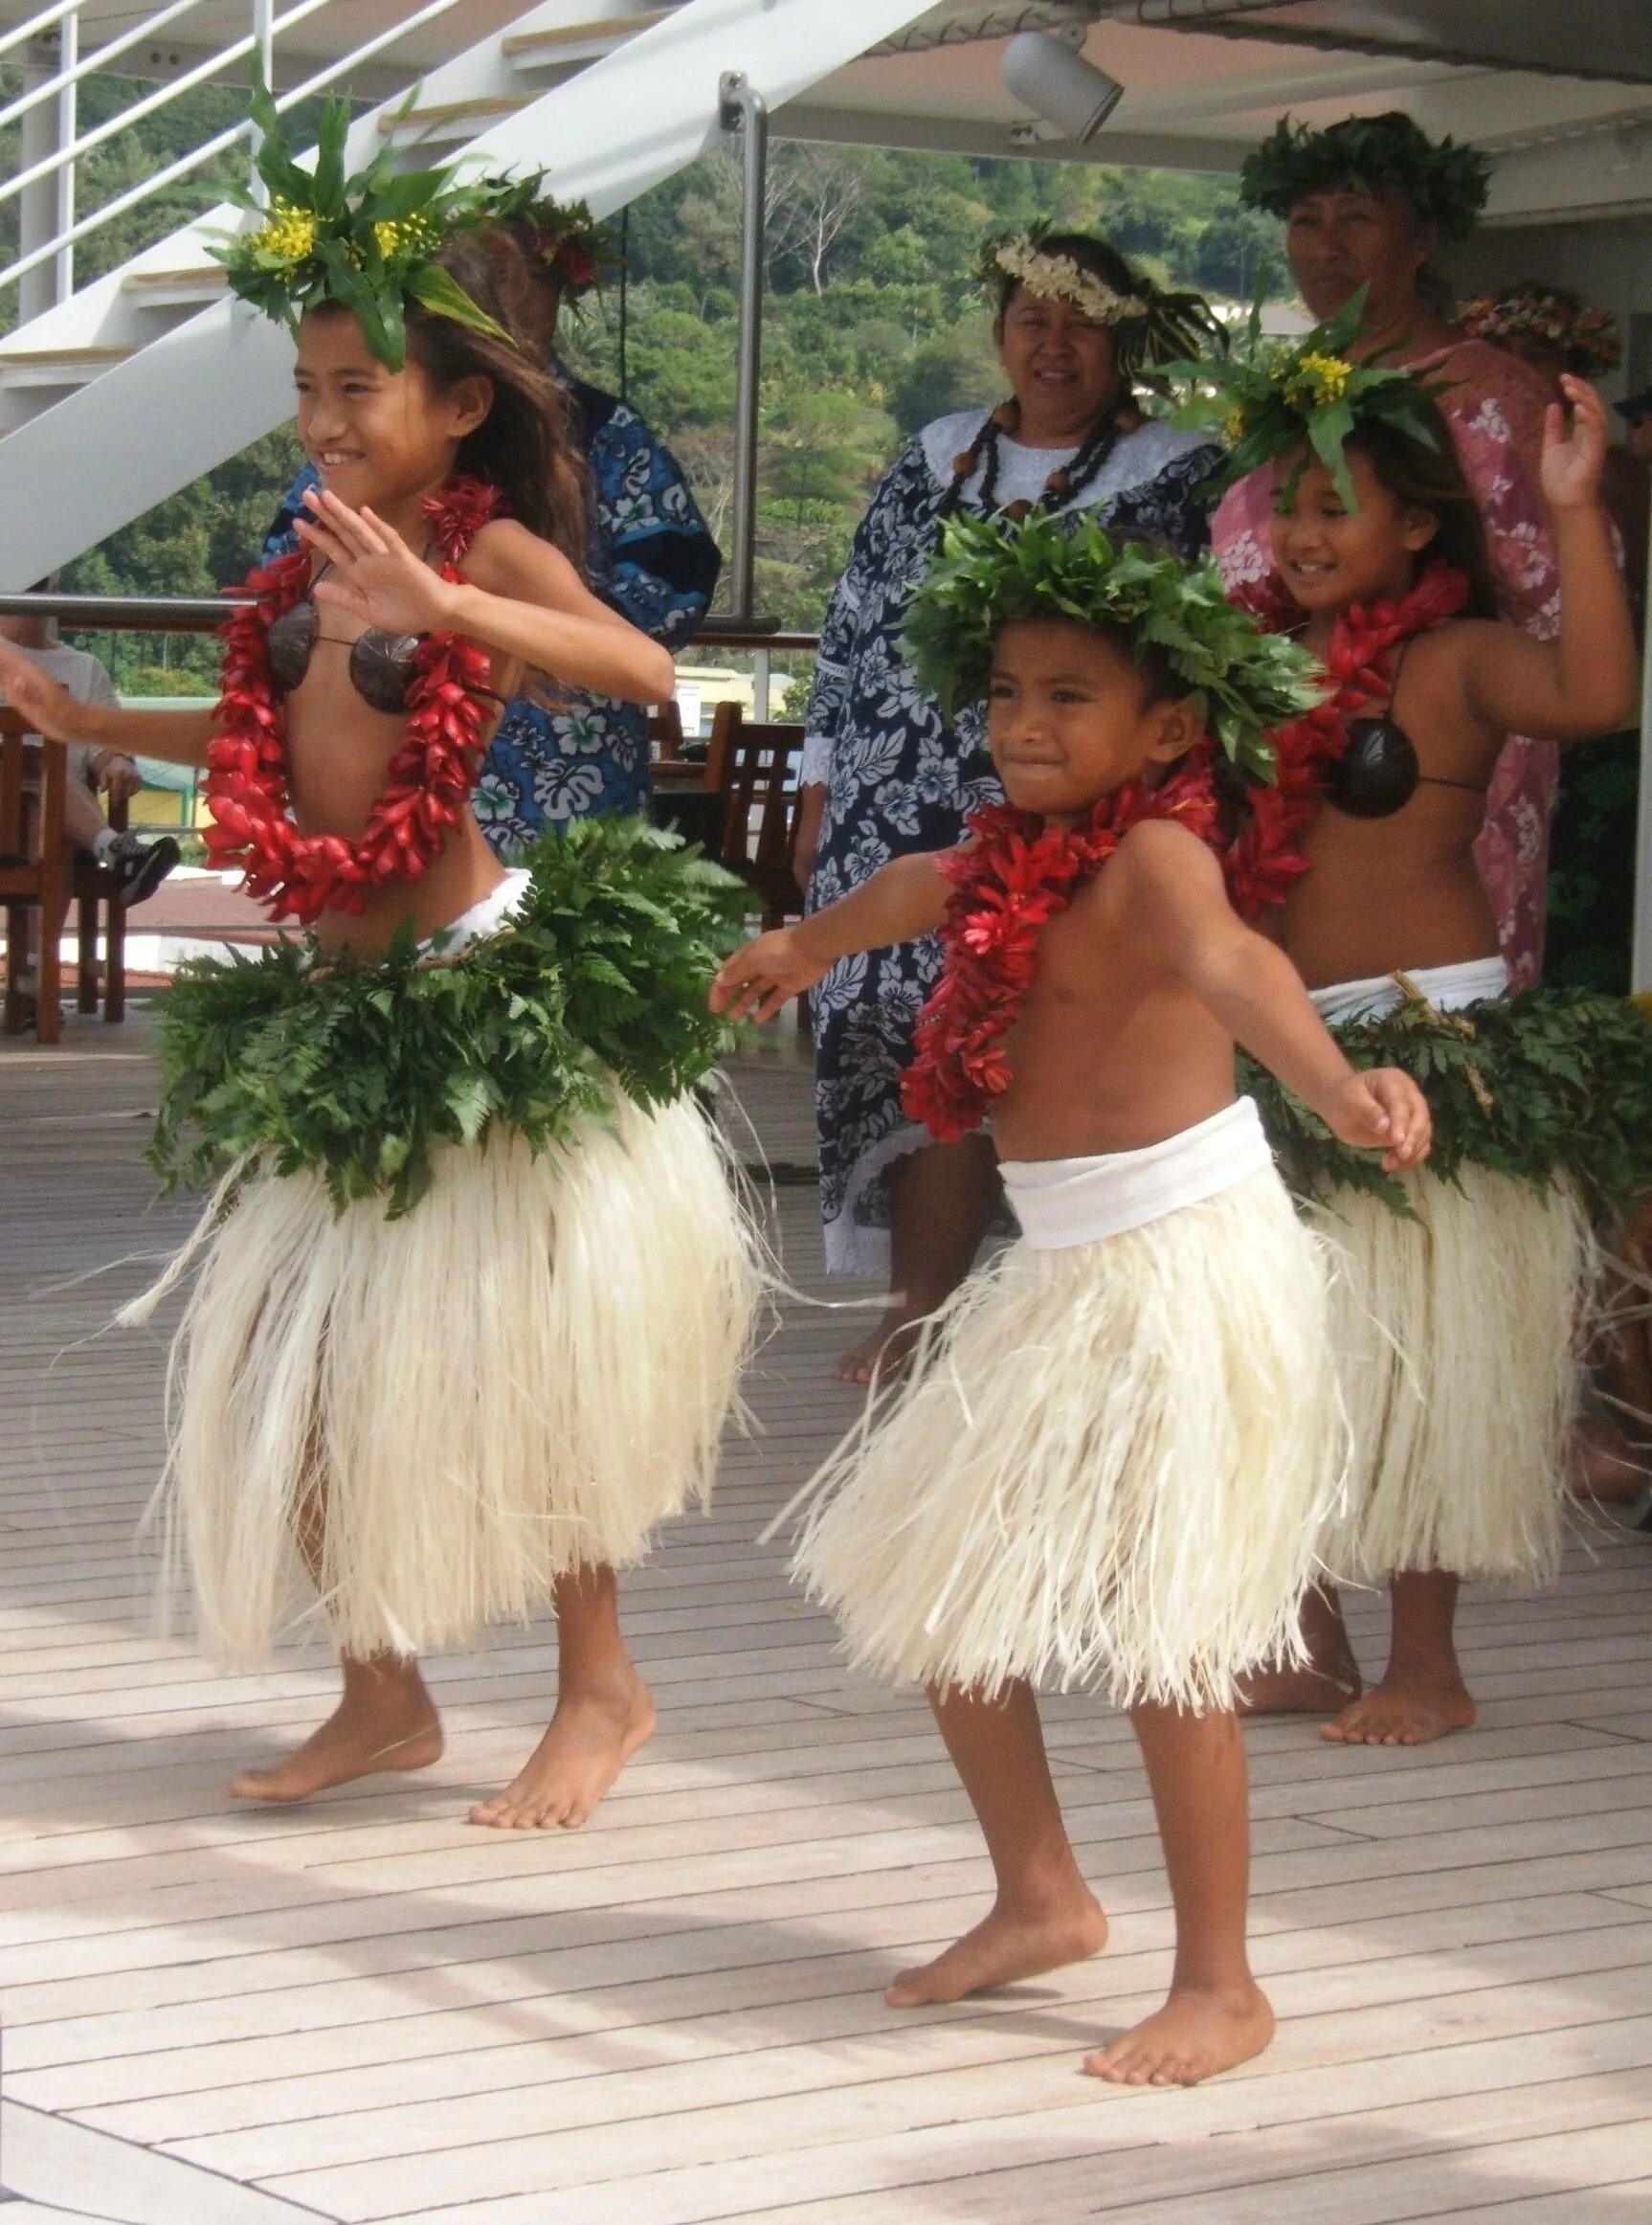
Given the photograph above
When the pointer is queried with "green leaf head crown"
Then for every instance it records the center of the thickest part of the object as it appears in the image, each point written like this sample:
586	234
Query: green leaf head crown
1271	398
989	573
561	239
1445	183
369	242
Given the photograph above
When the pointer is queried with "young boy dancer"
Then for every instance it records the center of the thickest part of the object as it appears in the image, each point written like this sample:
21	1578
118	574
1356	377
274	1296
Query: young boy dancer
1119	1442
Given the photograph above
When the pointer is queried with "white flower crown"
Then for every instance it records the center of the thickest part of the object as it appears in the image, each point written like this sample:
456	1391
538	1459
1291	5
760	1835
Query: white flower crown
1059	278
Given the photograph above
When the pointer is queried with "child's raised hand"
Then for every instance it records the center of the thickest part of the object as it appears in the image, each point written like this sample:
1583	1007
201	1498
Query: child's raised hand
756	981
375	575
48	709
1383	1111
1575	455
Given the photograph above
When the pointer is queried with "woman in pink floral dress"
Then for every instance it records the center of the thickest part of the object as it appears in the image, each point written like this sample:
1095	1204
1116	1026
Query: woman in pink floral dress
1365	204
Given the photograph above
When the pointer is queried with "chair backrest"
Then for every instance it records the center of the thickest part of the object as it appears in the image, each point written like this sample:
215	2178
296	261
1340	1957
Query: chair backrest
665	732
761	796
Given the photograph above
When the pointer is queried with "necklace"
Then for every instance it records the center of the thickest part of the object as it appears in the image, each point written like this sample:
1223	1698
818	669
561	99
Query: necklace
297	876
1266	857
1065	484
1009	882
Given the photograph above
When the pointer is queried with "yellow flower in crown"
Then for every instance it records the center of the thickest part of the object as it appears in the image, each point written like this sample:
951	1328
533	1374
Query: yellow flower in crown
1232	427
1319	378
287	234
406	236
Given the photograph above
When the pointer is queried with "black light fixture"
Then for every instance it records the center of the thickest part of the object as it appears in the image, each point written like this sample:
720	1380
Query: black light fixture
1057	84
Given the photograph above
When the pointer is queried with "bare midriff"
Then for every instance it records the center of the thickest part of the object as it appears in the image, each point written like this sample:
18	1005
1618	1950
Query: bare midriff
1112	1051
1387	893
339	752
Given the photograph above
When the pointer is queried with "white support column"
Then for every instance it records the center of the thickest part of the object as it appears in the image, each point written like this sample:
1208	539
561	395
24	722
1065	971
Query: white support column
760	687
39	205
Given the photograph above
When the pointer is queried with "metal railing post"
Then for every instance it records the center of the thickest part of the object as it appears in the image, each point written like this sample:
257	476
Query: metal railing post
745	110
760	687
37	223
67	105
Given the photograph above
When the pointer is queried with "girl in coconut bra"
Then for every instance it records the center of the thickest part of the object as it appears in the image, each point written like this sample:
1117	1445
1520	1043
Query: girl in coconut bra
467	1184
1461	1291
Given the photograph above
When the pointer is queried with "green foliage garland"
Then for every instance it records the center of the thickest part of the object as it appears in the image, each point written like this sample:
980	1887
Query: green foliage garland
367	242
990	571
361	1068
1446	184
1530	1086
1269	397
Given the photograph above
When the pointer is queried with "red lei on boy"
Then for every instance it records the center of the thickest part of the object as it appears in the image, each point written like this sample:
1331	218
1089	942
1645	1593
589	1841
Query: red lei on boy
299	876
1010	881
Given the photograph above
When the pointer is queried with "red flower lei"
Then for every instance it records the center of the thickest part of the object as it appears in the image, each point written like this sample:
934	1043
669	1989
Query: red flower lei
1010	882
1267	856
299	876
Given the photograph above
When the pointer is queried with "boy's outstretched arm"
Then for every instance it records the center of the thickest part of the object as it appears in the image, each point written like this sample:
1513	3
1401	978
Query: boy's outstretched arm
906	897
1180	897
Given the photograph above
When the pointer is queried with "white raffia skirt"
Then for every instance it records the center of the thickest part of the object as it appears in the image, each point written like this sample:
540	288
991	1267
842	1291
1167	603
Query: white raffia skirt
1119	1445
522	1377
1458	1335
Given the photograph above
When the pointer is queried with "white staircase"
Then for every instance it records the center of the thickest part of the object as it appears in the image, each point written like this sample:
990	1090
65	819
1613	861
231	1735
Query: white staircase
132	386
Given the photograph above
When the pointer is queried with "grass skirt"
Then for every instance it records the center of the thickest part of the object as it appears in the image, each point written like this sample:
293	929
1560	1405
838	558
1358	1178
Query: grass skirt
522	1377
1457	1333
1110	1463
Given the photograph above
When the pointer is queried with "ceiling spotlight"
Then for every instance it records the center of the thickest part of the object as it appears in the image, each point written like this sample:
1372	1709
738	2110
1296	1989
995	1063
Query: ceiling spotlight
1060	85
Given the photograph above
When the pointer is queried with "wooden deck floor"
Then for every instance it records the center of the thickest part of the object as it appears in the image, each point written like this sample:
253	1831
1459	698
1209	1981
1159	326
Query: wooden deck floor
367	2010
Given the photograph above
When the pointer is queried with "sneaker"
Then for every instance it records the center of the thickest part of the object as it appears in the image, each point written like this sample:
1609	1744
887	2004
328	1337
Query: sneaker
139	868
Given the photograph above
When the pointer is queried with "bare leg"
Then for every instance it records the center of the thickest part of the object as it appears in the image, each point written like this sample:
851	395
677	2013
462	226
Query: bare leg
940	1202
1216	2015
603	1713
1422	1695
1330	1677
1044	1914
385	1719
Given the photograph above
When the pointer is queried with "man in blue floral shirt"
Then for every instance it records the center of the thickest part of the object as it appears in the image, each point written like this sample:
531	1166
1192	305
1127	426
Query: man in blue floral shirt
652	558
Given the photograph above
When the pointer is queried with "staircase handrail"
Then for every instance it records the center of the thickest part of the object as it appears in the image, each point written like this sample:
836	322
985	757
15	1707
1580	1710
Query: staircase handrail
238	50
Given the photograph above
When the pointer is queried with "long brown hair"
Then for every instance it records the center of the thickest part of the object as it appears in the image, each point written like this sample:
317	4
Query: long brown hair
525	445
1431	478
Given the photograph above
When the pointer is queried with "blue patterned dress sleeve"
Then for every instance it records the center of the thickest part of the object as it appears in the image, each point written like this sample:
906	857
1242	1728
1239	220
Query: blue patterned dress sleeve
898	779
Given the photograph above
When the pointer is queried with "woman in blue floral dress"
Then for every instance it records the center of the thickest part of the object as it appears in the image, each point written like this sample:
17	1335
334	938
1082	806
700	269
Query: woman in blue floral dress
652	560
885	775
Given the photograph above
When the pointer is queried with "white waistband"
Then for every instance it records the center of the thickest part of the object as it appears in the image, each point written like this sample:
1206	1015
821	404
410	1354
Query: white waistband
483	917
1065	1201
1447	988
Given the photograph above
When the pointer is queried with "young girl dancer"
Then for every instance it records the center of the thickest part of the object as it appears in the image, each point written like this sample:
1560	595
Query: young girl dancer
1118	1444
475	1292
1456	1316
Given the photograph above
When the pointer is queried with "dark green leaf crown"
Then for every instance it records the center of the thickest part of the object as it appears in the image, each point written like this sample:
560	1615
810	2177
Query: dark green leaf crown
990	572
1270	397
1445	183
369	242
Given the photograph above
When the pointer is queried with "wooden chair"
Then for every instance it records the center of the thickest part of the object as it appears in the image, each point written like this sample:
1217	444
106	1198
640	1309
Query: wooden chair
665	732
755	771
38	874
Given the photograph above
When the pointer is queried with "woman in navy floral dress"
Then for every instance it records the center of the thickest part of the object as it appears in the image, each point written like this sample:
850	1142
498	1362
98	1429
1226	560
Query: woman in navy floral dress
885	775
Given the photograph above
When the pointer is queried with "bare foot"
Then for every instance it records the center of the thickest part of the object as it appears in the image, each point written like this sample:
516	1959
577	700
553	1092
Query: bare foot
887	1354
1197	2034
1404	1710
591	1735
1309	1690
1005	1945
394	1726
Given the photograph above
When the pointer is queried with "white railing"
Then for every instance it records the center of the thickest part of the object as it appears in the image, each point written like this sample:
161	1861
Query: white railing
53	240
